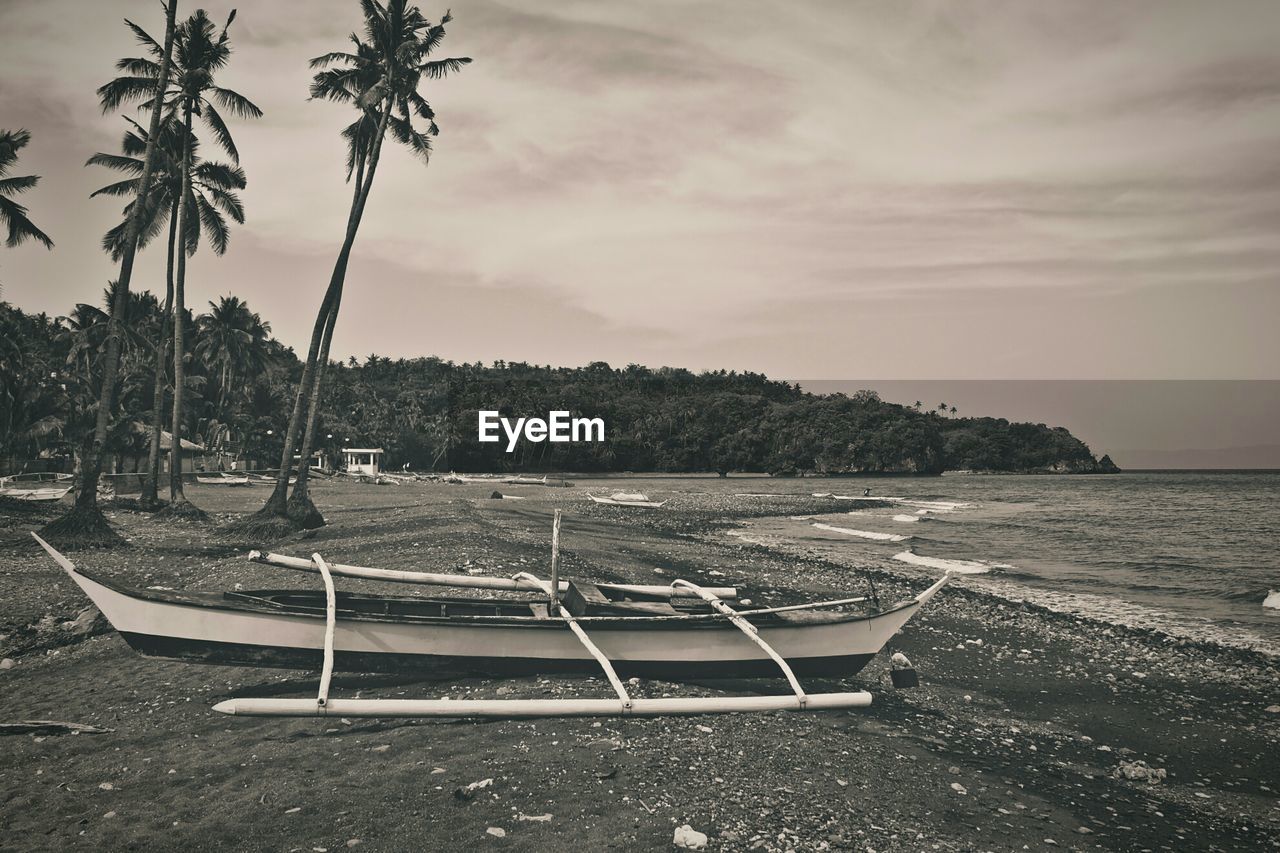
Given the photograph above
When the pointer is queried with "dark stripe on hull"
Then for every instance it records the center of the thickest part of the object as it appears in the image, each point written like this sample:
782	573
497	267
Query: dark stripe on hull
244	654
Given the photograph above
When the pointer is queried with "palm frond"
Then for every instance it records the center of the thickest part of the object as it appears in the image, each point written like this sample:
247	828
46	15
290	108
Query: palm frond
125	90
12	186
127	187
220	175
438	69
20	229
11	142
228	202
215	226
220	132
403	131
238	104
137	66
144	38
326	59
119	163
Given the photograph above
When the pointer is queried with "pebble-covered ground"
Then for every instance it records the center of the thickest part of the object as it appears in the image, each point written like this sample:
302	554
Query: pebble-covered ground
1031	730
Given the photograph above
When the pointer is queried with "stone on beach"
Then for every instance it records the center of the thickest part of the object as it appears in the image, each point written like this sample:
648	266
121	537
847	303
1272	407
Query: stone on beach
1139	771
688	838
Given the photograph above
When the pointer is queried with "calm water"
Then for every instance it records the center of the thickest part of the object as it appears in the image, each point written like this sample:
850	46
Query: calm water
1202	545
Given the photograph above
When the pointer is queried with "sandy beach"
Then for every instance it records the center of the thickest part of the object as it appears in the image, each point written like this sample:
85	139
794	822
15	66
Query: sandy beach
1016	739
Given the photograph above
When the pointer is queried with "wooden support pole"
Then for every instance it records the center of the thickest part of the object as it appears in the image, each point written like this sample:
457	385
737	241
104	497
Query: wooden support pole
554	588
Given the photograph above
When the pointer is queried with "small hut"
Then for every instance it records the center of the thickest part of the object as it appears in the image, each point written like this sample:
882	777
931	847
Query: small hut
362	460
188	448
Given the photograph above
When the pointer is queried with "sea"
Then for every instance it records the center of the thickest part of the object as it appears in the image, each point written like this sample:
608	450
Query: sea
1195	553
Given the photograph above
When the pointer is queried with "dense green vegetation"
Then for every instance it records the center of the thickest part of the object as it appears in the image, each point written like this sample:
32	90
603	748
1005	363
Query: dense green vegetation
423	411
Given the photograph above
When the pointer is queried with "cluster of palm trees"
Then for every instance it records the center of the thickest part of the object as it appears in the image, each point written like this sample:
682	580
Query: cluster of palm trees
174	191
188	197
942	408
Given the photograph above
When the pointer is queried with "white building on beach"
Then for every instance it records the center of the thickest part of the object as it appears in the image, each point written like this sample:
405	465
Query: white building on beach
360	460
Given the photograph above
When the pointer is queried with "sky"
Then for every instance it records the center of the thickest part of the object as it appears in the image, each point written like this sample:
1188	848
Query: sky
1064	189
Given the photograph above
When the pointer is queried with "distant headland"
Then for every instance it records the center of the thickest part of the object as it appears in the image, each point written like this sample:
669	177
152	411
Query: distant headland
422	412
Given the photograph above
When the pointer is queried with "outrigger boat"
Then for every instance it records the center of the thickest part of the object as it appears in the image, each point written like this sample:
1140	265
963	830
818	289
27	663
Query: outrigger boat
47	493
222	479
670	632
627	499
525	480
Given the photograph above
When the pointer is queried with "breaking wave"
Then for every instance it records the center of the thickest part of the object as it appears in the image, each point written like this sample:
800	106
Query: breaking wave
964	567
863	534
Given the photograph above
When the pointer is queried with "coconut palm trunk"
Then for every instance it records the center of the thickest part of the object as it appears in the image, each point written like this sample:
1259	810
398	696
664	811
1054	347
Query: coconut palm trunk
300	507
306	399
176	495
151	488
85	517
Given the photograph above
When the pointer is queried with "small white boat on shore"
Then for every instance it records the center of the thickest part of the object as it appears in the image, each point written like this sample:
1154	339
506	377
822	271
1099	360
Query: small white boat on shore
222	479
35	493
522	480
627	499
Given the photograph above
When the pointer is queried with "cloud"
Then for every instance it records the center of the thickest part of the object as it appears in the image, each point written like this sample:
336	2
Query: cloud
704	182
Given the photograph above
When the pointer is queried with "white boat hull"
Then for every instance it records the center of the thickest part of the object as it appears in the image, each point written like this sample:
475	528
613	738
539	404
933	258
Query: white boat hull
231	629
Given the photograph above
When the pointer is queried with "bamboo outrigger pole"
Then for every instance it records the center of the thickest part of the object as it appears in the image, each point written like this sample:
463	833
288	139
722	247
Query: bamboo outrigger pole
468	581
751	632
591	647
330	626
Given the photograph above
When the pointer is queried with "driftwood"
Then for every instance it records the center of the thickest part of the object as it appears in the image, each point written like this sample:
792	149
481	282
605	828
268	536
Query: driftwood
50	727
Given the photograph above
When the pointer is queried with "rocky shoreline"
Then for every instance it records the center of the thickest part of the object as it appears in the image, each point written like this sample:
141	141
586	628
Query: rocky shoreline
1033	729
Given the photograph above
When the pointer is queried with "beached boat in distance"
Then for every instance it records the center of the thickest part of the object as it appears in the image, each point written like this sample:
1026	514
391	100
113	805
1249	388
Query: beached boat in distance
671	632
525	480
626	499
222	478
35	493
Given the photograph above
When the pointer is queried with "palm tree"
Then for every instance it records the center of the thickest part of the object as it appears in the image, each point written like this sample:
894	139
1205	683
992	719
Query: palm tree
212	198
82	337
13	215
32	397
380	78
85	519
199	52
233	340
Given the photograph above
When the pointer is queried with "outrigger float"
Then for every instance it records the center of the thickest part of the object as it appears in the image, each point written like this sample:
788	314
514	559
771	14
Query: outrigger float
671	632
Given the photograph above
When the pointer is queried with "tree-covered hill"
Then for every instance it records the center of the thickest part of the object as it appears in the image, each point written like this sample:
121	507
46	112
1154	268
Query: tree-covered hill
423	411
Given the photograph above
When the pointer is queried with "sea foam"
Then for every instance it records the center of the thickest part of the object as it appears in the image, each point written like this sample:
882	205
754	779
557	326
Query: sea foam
964	567
863	534
1272	600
